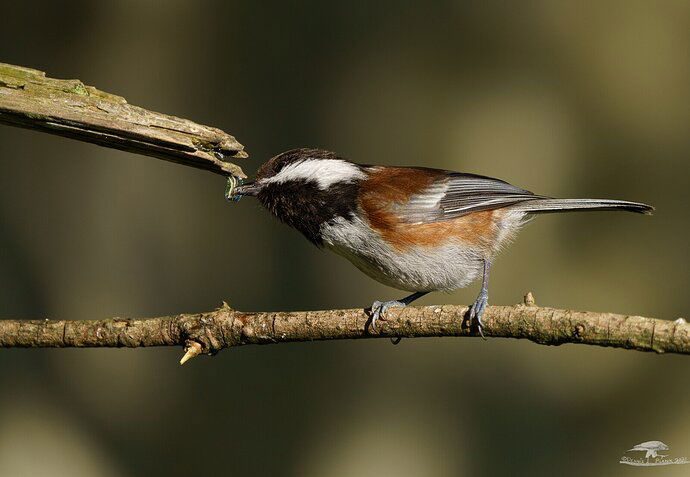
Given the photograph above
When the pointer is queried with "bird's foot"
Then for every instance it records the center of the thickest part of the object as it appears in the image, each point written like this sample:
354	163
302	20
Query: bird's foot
378	310
477	310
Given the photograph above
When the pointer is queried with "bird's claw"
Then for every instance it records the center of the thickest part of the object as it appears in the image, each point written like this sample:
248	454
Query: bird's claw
477	310
379	308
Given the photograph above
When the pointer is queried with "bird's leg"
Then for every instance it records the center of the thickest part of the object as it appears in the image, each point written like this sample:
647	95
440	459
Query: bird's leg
378	308
477	308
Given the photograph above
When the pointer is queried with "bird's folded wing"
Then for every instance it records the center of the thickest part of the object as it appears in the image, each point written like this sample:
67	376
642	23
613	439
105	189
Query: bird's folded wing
454	194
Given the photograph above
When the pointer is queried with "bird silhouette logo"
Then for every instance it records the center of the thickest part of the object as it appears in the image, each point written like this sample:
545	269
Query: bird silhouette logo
652	456
650	448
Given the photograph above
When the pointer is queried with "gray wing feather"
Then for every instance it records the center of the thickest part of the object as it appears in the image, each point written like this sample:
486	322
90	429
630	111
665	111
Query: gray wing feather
458	194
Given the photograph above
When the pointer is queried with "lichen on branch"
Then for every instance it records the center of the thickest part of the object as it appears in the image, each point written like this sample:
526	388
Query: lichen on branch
69	108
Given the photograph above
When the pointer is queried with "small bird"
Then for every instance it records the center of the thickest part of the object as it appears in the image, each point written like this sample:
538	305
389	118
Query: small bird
412	228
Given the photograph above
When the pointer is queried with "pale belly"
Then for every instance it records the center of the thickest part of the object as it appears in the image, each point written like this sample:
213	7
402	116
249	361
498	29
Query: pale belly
414	269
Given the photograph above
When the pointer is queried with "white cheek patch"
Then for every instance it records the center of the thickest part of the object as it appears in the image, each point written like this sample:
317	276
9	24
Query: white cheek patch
325	172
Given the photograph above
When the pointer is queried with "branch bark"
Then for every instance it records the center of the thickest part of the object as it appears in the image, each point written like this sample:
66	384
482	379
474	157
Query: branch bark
224	328
69	108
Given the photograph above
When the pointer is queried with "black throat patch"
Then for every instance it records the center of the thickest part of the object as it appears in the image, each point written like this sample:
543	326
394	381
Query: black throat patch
302	204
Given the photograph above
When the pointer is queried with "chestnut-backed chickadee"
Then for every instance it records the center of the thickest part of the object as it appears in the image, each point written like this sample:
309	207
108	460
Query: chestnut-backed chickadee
412	228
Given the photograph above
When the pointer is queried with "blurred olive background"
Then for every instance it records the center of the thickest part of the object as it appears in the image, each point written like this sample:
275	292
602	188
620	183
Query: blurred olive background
572	99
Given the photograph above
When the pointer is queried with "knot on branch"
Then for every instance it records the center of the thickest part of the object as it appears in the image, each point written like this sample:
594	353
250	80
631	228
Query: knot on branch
206	332
579	331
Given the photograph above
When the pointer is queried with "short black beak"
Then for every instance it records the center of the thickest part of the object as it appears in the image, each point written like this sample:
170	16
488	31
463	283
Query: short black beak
250	189
235	189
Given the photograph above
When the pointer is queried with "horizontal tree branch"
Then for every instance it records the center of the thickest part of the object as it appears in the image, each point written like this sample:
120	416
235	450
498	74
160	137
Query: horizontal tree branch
223	328
69	108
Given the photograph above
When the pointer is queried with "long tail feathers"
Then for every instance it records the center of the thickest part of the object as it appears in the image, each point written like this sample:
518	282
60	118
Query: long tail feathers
543	206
